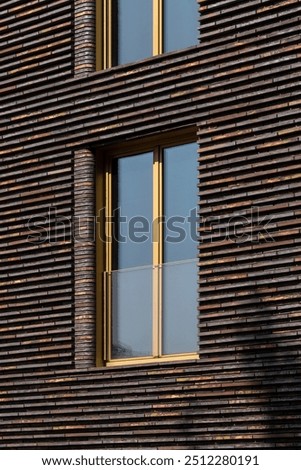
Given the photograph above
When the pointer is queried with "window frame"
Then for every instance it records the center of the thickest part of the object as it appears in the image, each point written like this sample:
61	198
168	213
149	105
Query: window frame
104	249
104	32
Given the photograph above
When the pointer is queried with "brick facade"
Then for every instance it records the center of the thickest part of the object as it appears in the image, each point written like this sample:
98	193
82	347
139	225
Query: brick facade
240	87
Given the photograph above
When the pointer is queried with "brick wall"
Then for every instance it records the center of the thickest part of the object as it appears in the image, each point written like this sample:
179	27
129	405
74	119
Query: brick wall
240	86
36	286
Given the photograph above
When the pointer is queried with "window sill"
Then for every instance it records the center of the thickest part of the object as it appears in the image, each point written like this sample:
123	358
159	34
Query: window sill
152	360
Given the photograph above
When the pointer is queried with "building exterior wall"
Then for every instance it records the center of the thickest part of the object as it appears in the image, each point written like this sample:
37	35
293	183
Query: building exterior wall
36	279
240	87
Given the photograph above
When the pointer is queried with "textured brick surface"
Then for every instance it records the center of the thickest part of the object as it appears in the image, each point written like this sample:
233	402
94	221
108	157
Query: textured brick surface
84	258
240	86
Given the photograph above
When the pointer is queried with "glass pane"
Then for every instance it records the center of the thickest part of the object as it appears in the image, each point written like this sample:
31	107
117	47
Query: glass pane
132	30
180	307
180	201
132	211
132	313
180	24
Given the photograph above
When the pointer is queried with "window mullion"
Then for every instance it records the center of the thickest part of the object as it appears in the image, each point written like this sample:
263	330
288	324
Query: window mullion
108	33
104	34
99	10
101	343
108	261
157	208
157	27
157	252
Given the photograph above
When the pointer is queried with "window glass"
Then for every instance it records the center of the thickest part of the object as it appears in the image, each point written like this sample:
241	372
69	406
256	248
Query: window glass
180	24
179	319
132	30
131	287
132	313
179	202
132	211
179	290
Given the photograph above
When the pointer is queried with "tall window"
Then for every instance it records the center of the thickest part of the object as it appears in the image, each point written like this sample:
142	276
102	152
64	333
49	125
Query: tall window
151	250
130	30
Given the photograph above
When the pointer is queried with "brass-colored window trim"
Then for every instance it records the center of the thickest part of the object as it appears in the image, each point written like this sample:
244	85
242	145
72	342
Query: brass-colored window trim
104	249
152	360
101	255
157	249
104	32
99	46
157	27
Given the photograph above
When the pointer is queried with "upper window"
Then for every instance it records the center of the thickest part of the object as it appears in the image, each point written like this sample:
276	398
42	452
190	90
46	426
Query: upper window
150	255
130	30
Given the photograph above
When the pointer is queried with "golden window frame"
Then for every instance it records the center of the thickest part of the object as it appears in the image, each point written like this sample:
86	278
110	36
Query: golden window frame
104	249
104	32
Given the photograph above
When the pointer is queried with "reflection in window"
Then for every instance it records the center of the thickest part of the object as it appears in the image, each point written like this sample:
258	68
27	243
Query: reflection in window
180	24
132	313
179	323
132	210
132	36
179	199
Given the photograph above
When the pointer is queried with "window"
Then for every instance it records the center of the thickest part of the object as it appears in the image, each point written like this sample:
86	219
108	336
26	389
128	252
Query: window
130	30
149	252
